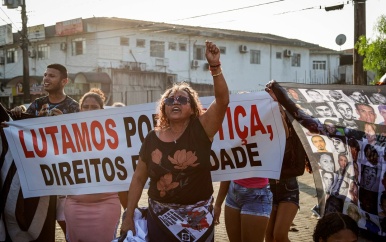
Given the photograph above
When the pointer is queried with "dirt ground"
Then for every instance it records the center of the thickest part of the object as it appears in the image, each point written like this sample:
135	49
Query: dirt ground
303	220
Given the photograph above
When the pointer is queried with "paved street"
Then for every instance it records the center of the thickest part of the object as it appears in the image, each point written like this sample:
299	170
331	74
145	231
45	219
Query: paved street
304	221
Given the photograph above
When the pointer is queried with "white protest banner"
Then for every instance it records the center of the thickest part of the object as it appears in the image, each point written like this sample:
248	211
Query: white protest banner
97	151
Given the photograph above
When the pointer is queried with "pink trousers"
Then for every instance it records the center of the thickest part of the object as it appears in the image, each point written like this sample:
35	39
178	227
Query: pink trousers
92	217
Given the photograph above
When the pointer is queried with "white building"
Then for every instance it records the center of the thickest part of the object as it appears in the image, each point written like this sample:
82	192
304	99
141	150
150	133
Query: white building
134	61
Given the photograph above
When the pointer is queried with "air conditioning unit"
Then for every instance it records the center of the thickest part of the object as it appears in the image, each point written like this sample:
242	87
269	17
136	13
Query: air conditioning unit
162	62
287	53
195	64
172	78
32	53
243	49
2	60
63	46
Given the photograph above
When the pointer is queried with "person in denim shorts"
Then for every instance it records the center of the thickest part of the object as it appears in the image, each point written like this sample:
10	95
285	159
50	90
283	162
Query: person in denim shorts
286	189
248	205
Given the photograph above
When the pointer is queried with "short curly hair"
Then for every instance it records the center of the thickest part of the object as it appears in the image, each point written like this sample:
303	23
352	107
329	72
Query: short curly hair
95	93
331	224
195	104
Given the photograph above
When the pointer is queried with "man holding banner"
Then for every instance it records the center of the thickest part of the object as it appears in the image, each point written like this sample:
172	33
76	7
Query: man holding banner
34	218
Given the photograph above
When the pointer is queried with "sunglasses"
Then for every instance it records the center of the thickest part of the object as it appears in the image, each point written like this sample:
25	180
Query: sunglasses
180	99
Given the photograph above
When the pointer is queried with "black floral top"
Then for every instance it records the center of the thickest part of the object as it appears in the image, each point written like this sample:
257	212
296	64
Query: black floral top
43	107
179	171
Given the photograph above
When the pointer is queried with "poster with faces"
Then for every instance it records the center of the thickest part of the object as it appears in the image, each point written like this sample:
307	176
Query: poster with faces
346	133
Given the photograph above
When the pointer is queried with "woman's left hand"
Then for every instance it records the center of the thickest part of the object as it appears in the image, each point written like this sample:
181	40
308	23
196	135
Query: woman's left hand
212	53
268	88
217	213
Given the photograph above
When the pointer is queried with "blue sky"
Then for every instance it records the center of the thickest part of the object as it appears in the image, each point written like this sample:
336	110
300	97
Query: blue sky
306	20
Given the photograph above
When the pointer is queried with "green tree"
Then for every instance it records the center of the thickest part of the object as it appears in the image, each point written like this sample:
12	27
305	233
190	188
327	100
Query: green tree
374	52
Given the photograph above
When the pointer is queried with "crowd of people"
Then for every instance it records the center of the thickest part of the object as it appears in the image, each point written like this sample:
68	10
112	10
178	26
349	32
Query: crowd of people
175	156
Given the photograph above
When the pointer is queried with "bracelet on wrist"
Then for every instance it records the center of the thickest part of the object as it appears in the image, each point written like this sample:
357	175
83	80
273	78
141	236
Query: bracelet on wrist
214	67
214	75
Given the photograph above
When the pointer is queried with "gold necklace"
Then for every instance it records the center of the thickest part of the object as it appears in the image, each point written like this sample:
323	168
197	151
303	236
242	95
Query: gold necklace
178	134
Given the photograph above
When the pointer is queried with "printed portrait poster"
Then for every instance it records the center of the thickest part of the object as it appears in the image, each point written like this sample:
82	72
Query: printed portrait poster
344	126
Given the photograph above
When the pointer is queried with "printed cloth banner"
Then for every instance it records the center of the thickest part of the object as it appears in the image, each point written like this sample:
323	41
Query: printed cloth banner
97	151
343	127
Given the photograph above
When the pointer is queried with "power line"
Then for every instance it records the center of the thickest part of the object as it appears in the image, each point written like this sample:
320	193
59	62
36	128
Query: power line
299	10
9	19
230	10
309	8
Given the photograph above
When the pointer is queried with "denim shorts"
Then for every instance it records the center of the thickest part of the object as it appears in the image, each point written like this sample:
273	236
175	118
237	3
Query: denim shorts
285	190
252	201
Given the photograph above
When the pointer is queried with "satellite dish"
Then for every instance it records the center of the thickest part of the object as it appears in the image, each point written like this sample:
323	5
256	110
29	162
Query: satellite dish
340	39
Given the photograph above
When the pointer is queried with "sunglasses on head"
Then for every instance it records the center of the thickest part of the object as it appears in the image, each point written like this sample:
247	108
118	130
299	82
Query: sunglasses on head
180	99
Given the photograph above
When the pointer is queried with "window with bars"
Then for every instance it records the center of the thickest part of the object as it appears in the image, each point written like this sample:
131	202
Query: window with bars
255	56
199	52
182	46
172	46
43	52
124	41
319	65
141	43
157	49
296	60
11	55
78	46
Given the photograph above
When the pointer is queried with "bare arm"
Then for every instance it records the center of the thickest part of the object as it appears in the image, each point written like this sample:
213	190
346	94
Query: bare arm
123	196
222	192
136	187
212	119
279	94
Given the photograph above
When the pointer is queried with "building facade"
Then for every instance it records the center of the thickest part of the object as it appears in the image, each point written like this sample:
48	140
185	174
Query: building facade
134	61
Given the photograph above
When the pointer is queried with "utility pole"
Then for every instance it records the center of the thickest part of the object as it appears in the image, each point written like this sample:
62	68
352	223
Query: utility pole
360	76
24	47
12	4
